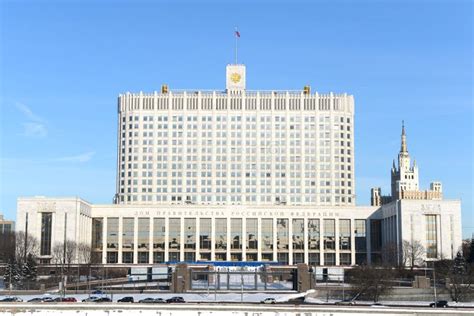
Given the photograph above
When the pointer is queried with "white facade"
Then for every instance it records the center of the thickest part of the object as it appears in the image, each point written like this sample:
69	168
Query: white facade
237	147
70	220
409	220
316	235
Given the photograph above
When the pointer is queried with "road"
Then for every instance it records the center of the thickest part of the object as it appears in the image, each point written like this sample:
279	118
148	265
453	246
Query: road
224	309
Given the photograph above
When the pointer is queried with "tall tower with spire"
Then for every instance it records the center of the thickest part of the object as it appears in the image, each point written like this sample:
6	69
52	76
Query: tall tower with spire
405	176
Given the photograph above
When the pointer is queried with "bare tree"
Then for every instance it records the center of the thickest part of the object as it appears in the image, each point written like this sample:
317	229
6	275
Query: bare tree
85	257
31	244
458	275
391	255
64	254
84	252
413	253
370	282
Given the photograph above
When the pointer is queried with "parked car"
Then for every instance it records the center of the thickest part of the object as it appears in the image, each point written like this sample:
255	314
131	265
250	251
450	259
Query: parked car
148	300
65	299
159	300
269	300
11	299
126	299
98	292
377	305
102	300
175	299
347	301
36	300
90	299
439	304
296	300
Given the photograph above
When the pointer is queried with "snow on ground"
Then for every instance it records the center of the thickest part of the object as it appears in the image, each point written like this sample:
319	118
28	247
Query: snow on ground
188	297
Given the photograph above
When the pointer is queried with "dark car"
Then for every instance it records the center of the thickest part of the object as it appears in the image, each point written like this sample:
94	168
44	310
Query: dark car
175	299
11	299
147	300
65	299
102	300
439	304
97	292
36	300
126	299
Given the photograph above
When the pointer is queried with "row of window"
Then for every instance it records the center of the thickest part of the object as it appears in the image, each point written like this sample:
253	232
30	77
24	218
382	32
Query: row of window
155	230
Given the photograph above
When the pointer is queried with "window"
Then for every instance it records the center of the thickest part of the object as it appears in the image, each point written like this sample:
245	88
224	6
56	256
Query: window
143	234
112	233
329	259
236	233
159	233
128	234
190	233
251	231
97	224
345	234
267	235
205	234
298	234
282	234
46	227
313	234
329	234
431	237
221	234
174	235
360	235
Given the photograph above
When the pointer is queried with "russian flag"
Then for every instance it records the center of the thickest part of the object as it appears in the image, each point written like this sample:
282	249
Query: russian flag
237	33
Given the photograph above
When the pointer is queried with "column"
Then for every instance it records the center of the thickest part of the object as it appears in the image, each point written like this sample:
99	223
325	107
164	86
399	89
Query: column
321	241
181	239
135	240
198	232
120	235
368	236
353	256
244	239
259	238
167	236
439	240
104	240
228	234
275	239
290	241
150	241
336	223
305	240
213	238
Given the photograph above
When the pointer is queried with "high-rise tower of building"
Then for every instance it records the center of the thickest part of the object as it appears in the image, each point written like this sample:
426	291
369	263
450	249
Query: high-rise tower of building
405	177
236	146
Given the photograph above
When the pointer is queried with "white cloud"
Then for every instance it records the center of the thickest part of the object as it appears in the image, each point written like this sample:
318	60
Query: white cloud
85	157
34	126
32	129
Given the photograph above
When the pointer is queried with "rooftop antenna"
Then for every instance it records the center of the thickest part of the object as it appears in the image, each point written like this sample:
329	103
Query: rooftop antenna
237	36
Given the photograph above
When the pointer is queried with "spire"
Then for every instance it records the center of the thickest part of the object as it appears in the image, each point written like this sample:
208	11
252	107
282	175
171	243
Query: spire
403	148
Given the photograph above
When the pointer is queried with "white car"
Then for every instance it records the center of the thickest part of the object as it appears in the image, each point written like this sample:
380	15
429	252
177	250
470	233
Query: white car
268	300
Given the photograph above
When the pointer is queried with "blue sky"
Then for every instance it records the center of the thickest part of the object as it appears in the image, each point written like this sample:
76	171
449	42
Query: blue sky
63	63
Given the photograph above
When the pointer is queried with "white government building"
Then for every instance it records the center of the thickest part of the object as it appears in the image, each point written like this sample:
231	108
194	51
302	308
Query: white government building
241	175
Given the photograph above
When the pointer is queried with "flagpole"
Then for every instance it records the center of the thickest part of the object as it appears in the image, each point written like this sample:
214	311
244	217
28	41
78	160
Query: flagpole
236	38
